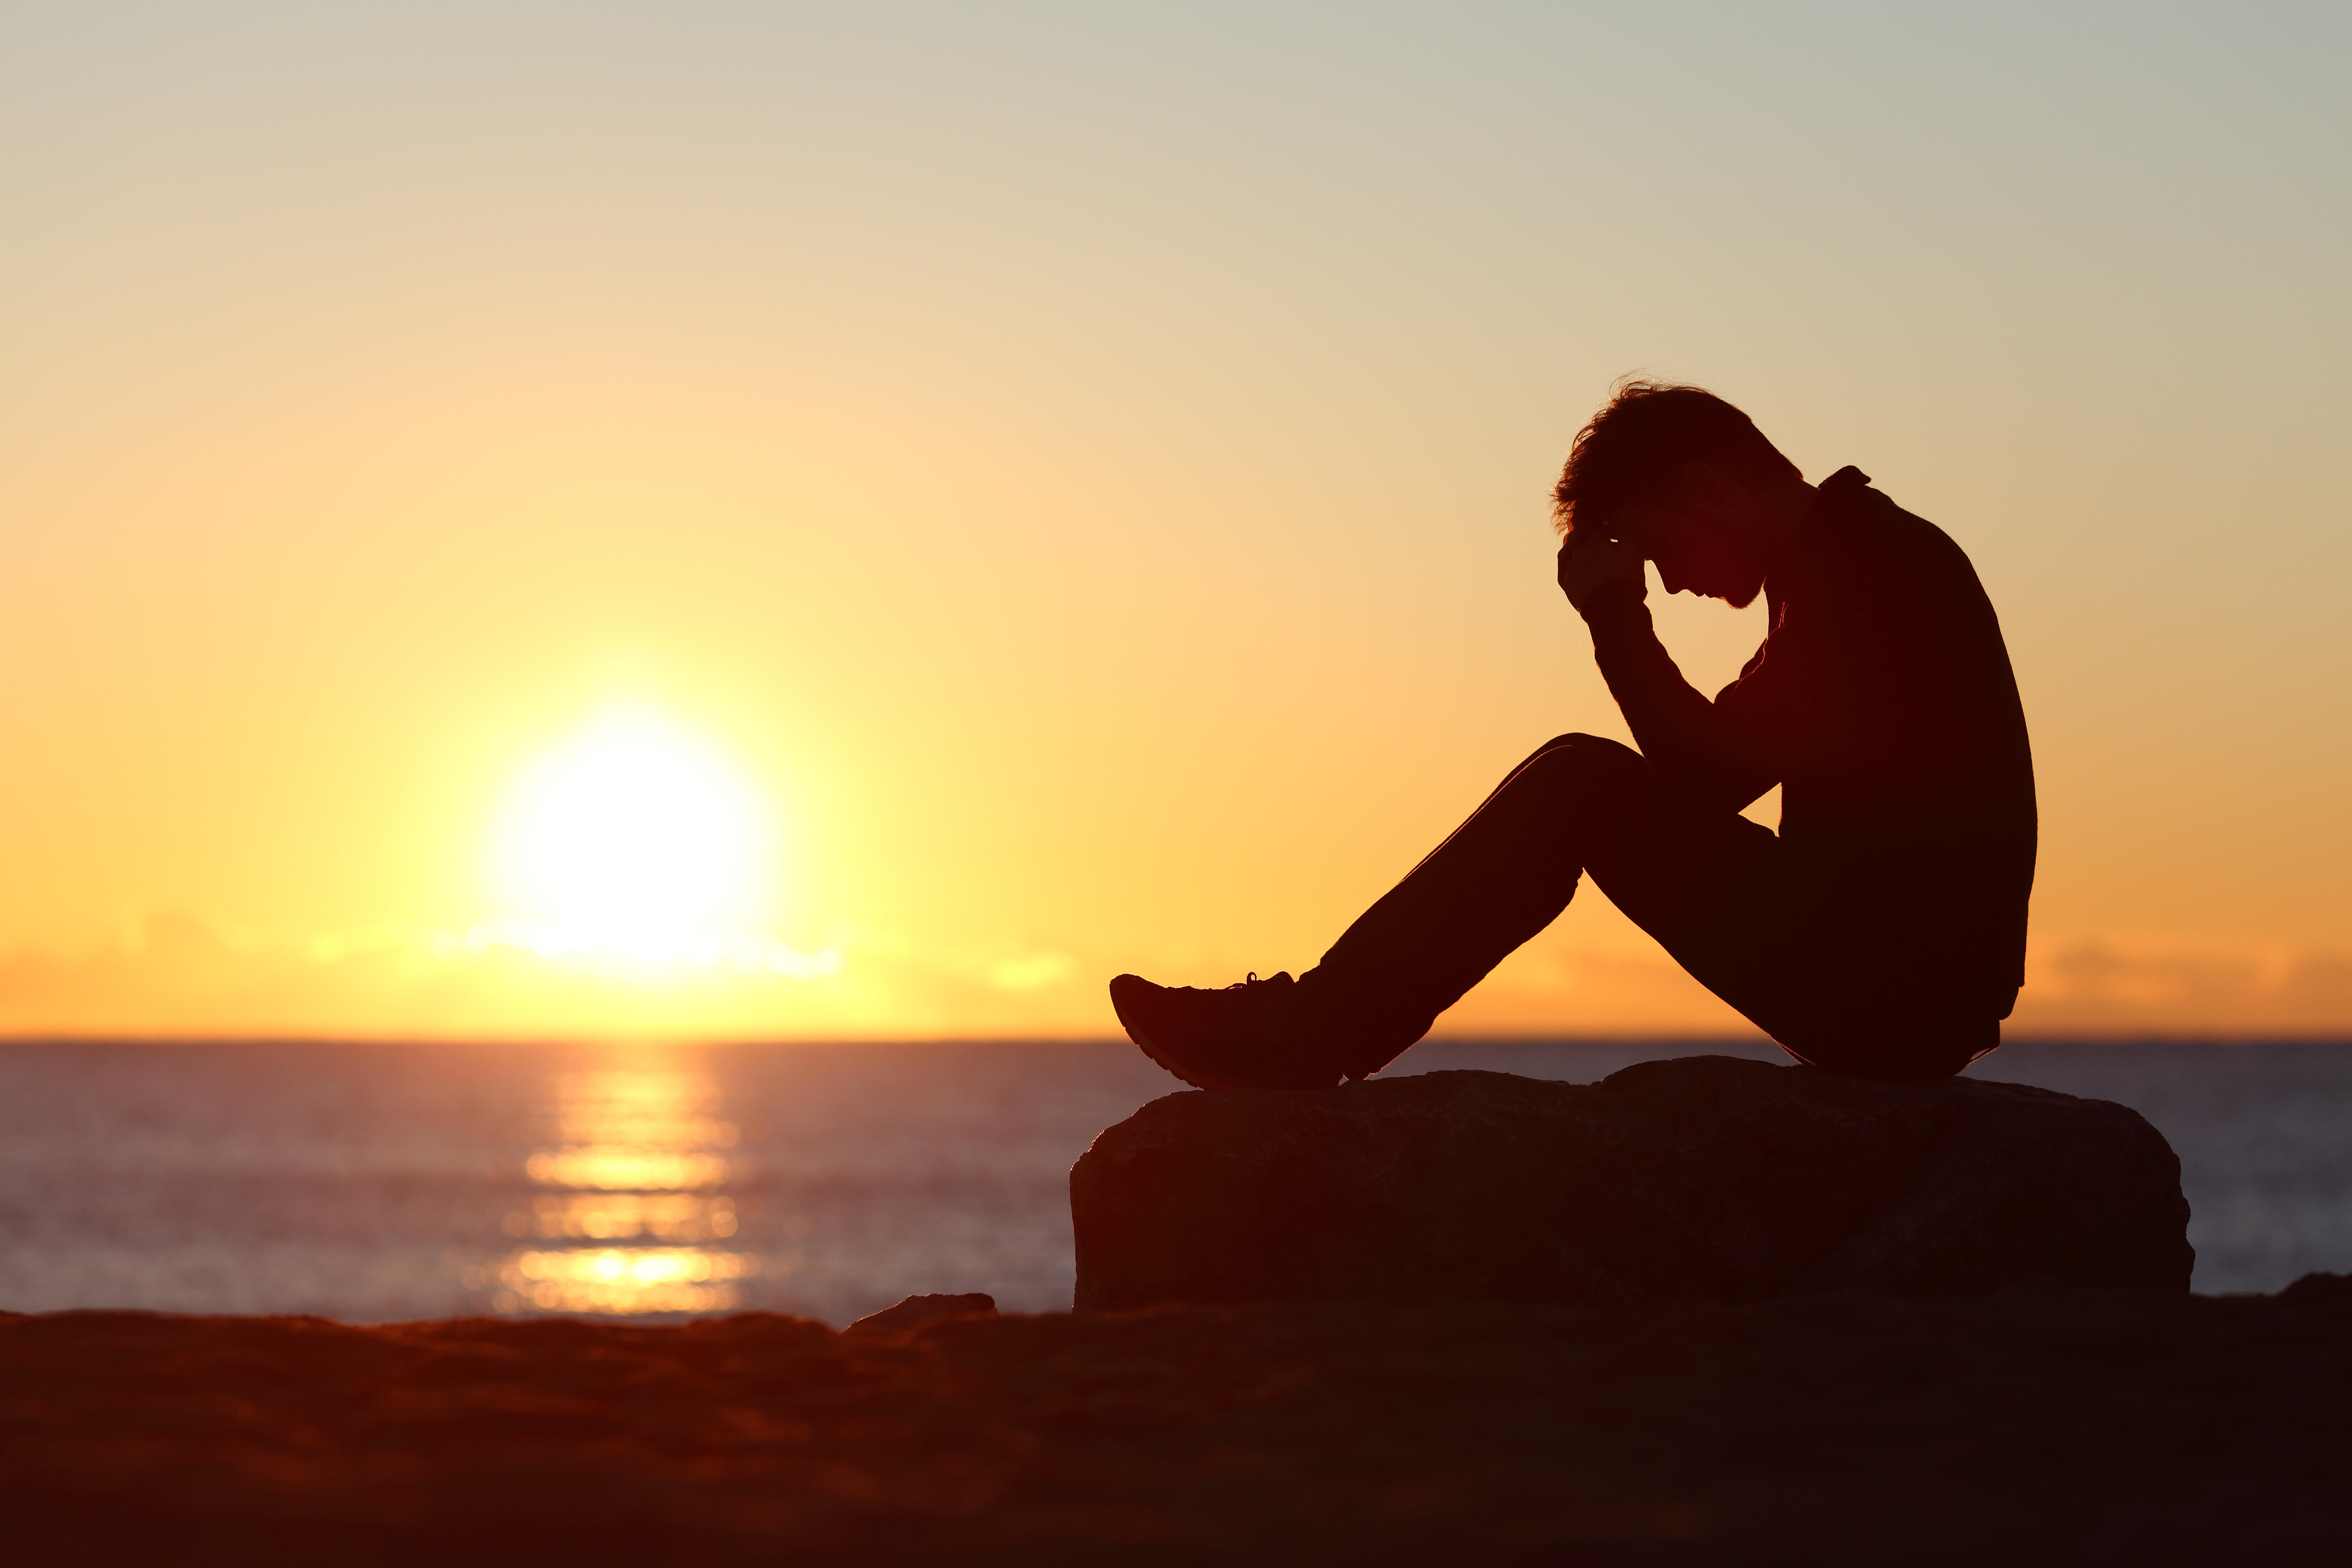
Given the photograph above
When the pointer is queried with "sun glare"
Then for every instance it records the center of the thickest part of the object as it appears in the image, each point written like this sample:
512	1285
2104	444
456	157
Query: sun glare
636	839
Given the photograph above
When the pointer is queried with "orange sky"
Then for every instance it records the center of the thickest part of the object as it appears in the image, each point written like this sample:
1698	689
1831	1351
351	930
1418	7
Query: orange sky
1088	469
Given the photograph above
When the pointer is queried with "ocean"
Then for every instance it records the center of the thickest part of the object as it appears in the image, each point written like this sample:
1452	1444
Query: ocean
382	1182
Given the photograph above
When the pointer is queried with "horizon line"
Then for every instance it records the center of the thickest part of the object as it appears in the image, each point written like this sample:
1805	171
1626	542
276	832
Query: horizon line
1570	1039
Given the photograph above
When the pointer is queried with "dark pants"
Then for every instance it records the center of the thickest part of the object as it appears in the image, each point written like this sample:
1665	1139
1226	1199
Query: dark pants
1719	892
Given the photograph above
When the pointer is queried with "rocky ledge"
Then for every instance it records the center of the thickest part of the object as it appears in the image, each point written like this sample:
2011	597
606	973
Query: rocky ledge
2090	1427
1706	1177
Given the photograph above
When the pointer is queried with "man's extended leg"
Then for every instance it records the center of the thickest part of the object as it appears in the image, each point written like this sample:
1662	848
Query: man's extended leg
1712	887
1580	804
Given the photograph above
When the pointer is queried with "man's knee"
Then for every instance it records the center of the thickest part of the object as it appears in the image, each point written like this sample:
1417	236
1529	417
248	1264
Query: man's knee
1580	742
1585	765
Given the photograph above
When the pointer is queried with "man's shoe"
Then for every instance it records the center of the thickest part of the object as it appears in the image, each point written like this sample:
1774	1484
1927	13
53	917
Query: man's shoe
1243	1036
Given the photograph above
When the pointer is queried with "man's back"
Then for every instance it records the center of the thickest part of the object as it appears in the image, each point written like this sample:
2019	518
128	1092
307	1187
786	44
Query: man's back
1884	696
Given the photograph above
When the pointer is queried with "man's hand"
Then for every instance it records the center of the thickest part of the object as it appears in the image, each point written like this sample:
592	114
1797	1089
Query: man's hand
1595	571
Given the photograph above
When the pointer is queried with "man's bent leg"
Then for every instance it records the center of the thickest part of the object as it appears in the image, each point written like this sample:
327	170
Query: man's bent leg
1792	961
1506	874
1712	887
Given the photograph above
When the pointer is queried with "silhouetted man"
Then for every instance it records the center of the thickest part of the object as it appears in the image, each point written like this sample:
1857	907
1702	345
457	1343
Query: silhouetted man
1880	932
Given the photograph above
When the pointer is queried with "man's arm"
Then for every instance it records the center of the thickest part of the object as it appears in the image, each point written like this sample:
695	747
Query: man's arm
1677	727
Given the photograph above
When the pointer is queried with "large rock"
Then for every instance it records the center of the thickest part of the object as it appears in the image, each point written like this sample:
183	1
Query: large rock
1705	1177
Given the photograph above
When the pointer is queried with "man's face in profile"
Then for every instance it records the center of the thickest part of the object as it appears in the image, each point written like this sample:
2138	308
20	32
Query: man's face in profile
1705	548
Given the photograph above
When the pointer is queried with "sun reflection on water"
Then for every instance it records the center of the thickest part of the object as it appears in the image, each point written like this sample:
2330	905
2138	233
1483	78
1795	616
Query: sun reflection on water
626	1170
641	1158
625	1216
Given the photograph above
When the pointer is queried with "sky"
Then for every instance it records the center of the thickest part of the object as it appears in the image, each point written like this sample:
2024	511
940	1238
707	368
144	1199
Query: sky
1080	472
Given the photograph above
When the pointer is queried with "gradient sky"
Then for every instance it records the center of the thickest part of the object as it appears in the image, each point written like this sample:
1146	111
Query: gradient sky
1089	464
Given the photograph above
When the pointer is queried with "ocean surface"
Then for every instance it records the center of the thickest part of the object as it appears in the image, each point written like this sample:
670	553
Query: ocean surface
377	1182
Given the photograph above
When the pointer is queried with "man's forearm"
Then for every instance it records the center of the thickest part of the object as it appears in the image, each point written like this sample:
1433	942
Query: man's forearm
1676	726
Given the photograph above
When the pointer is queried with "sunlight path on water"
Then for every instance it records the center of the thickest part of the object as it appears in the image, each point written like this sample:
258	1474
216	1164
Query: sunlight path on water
642	1157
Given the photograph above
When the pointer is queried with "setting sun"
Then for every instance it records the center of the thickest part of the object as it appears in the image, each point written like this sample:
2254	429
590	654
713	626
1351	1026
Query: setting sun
636	839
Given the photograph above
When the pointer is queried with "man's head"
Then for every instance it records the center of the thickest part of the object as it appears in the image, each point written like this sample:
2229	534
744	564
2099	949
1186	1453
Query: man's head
1686	480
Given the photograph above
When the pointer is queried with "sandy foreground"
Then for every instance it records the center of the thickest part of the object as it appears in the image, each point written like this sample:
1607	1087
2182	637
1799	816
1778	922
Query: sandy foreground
2037	1426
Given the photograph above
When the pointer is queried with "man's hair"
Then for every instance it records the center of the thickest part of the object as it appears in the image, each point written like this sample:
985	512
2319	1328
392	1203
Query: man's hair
1632	452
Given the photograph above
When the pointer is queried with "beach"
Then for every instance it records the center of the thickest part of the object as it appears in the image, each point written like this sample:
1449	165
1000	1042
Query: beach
2081	1426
